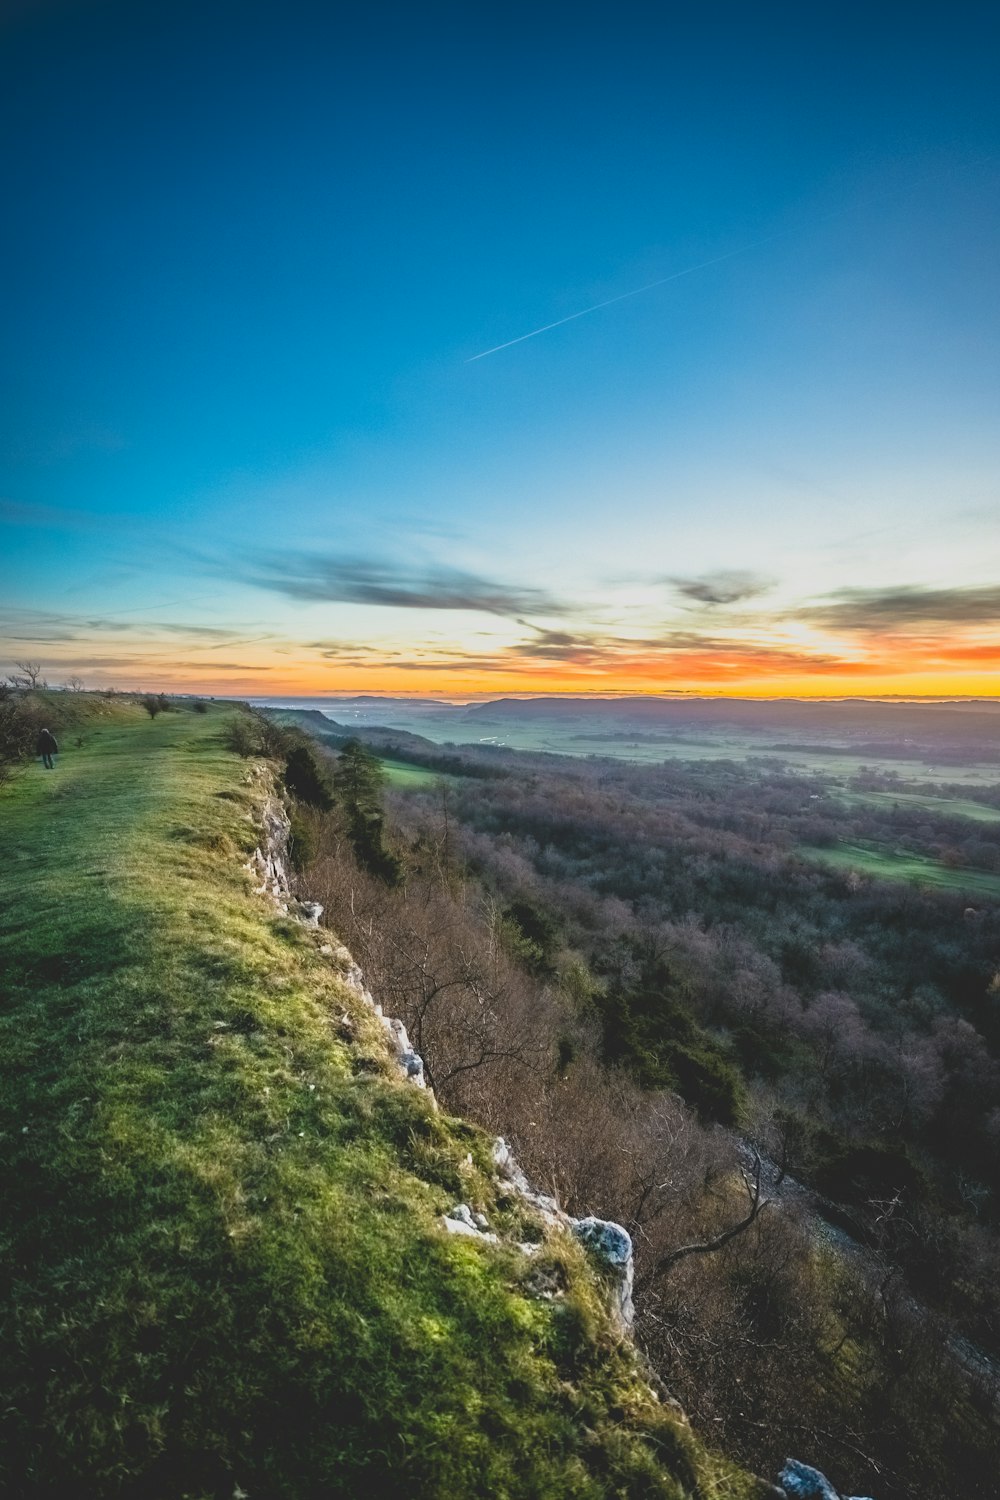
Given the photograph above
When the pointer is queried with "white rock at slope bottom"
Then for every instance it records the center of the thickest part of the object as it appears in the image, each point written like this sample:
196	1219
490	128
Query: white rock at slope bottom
614	1246
608	1240
800	1482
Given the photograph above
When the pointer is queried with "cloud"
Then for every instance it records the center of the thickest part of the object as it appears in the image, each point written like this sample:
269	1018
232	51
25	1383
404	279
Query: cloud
334	580
206	632
41	626
335	650
74	663
211	666
671	654
904	606
592	649
724	587
562	645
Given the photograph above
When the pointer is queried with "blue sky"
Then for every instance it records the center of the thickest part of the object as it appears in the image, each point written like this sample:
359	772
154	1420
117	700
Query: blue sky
256	247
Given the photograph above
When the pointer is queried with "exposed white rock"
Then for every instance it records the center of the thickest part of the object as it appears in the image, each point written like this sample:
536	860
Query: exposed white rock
410	1062
608	1240
267	862
352	976
614	1246
508	1169
461	1220
800	1482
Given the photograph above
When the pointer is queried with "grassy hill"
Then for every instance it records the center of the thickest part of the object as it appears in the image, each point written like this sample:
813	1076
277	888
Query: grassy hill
222	1260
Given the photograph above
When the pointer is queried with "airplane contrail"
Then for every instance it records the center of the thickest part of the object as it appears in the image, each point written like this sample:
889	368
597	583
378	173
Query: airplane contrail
623	296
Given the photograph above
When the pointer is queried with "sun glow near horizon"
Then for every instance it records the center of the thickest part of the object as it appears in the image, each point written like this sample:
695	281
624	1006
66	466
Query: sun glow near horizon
759	664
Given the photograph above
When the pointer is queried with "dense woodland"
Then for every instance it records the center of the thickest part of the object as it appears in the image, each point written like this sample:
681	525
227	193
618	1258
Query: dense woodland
784	1080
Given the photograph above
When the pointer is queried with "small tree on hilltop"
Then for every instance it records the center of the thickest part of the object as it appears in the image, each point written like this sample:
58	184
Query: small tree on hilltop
152	705
29	675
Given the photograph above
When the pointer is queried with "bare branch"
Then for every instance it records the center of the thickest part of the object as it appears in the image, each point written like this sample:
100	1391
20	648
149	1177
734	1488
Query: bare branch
716	1242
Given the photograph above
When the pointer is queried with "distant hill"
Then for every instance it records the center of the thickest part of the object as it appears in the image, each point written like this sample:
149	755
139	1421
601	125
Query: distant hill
924	722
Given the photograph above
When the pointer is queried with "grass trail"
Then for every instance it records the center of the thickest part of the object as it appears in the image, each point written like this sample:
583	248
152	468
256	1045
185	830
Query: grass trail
220	1254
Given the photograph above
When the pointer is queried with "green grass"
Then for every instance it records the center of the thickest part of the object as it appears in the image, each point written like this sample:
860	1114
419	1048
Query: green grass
219	1241
892	864
949	807
407	778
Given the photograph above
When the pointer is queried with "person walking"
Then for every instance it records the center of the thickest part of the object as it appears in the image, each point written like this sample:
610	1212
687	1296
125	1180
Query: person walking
46	748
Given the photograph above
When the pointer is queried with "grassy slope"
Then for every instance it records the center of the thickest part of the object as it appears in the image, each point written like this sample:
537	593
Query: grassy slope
888	864
407	778
220	1254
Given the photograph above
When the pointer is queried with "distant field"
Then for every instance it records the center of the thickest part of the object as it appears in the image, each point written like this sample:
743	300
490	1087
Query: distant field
410	778
649	749
580	735
886	864
951	807
838	764
843	766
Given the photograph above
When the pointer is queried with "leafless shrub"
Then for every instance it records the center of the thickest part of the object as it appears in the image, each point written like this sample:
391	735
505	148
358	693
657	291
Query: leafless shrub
29	676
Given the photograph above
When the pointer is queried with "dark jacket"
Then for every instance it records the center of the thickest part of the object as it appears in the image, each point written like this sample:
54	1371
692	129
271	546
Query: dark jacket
46	744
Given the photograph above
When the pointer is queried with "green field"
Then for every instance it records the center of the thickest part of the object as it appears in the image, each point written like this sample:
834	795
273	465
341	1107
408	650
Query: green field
578	736
899	865
949	807
219	1207
404	777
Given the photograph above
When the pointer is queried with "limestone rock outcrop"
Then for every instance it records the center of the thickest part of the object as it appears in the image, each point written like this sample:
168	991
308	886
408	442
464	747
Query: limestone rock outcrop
799	1482
267	863
613	1245
608	1241
462	1220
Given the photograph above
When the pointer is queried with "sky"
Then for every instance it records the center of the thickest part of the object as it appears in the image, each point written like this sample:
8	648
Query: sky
271	423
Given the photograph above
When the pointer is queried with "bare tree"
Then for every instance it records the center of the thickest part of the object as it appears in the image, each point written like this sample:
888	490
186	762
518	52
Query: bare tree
757	1205
436	959
74	684
29	675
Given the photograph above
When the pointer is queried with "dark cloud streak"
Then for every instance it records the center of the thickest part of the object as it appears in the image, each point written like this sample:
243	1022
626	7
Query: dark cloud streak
333	580
888	609
724	587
